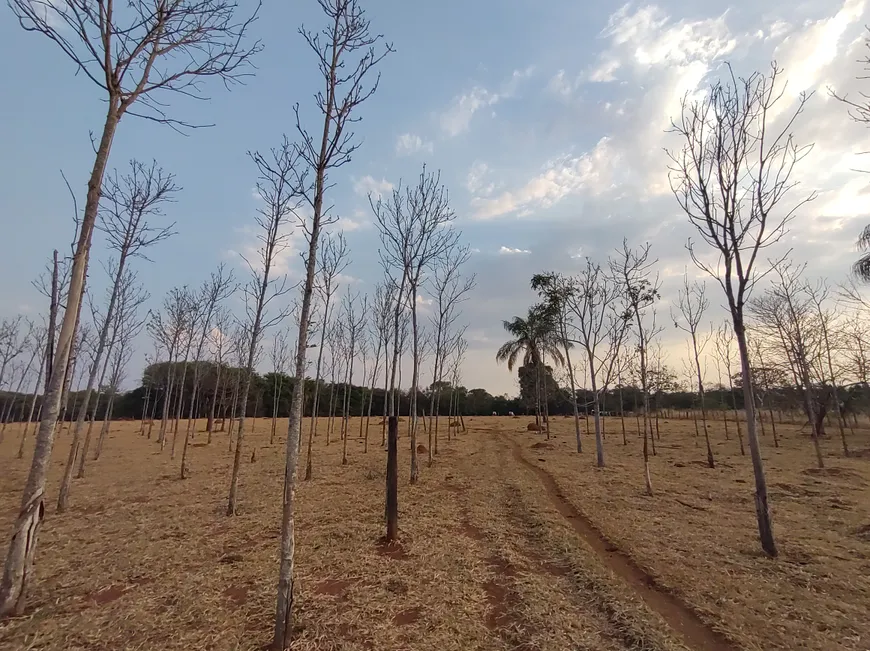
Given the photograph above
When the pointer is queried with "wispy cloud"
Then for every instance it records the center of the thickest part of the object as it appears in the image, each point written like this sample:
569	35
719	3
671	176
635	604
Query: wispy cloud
411	143
506	250
457	118
369	185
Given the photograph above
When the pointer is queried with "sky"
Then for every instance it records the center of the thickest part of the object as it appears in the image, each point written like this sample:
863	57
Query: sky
548	123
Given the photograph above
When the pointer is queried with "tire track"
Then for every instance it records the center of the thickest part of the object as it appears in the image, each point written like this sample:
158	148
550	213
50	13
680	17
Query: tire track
695	633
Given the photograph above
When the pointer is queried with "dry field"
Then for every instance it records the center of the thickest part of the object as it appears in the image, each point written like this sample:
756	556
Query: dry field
508	542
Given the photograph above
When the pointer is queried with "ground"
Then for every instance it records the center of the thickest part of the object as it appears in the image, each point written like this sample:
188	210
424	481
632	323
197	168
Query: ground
509	541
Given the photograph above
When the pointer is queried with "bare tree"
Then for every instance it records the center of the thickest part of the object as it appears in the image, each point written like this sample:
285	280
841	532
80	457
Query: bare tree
730	178
12	344
168	328
353	319
457	355
383	305
724	342
786	314
415	231
219	336
112	340
448	289
346	53
633	270
278	357
219	287
280	200
192	316
692	305
128	325
333	261
825	318
128	201
32	341
164	47
40	343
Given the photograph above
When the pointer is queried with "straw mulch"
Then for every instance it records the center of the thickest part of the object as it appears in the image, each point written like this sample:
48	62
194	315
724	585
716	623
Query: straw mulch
697	536
488	559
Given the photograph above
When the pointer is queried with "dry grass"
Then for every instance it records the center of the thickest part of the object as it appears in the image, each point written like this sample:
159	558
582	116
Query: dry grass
697	536
144	560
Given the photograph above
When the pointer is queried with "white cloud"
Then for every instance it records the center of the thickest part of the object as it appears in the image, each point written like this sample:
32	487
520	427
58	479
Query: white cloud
476	183
457	118
410	143
565	176
648	37
560	84
369	185
816	46
348	225
509	251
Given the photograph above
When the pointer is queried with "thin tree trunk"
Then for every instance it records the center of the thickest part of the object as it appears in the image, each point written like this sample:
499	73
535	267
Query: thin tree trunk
737	415
622	414
18	568
234	407
211	412
762	509
32	408
107	422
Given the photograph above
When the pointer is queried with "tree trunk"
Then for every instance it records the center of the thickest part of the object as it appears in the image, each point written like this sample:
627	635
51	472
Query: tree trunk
237	457
415	379
107	422
710	460
217	384
392	502
234	407
762	509
18	568
32	409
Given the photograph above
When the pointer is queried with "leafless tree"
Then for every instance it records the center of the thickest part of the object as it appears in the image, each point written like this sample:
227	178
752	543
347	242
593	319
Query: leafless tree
240	346
280	200
333	260
826	320
457	358
785	313
128	324
633	270
449	289
12	343
167	329
111	341
414	224
219	337
40	343
34	344
380	325
128	202
136	53
692	304
353	321
724	343
218	288
347	52
278	357
731	178
193	317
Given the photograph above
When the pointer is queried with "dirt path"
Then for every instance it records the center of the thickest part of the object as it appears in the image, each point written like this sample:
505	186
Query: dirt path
695	633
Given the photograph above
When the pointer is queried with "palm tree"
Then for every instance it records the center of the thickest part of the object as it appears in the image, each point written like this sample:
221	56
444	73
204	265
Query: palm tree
534	337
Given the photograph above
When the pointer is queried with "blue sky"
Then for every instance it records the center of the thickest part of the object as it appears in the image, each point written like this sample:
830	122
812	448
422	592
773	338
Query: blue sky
547	121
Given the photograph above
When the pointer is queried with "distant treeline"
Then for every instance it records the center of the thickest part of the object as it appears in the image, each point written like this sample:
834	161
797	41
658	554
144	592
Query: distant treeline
274	389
